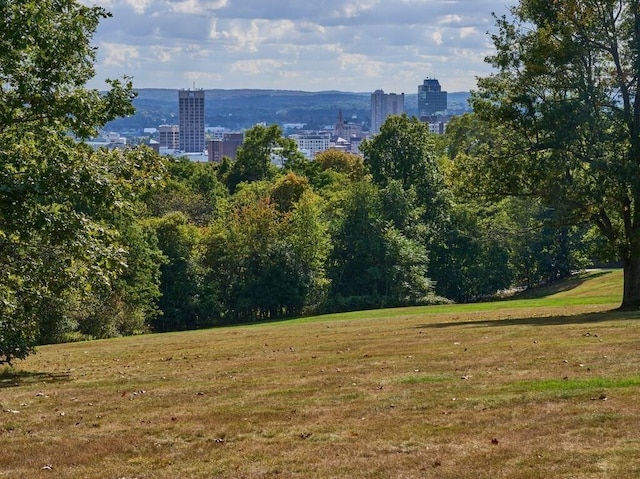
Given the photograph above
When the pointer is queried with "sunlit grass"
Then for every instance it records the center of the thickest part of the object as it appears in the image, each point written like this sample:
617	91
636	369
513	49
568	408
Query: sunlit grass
587	384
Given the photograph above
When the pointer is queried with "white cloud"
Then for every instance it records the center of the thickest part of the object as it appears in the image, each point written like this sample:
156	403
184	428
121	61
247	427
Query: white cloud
165	54
361	64
214	34
242	36
279	29
355	8
354	45
197	7
256	67
139	6
466	32
448	19
190	7
119	55
201	79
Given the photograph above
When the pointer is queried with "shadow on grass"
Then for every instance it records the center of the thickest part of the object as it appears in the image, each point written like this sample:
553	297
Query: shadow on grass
10	378
560	286
586	318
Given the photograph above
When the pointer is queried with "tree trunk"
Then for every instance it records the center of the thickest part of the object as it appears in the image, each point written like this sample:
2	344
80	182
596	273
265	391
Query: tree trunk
631	292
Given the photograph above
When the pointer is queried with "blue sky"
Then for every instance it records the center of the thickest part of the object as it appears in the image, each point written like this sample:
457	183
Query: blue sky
309	45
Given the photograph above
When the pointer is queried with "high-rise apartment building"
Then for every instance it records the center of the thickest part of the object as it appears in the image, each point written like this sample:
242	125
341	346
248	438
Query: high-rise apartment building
226	145
191	108
169	136
382	106
431	98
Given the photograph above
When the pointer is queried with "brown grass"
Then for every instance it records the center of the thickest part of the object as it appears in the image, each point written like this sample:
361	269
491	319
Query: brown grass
511	392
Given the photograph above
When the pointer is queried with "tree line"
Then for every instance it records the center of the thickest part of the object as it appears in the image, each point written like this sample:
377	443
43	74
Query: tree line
539	181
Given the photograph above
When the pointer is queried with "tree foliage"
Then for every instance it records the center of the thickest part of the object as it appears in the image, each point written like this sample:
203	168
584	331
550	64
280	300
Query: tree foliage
97	244
263	148
472	260
264	262
181	301
405	151
373	263
563	116
45	61
57	198
339	161
192	188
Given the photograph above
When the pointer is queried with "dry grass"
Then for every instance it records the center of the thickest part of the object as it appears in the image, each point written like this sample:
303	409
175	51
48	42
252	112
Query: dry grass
535	388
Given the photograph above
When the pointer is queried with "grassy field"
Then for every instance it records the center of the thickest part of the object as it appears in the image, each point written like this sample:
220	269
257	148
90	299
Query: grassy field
543	386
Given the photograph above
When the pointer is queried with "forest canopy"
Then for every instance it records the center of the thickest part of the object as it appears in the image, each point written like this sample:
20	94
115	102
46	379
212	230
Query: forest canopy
95	244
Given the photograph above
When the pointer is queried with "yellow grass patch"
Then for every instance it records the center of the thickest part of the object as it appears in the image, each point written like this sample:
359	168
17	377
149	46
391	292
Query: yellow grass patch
508	392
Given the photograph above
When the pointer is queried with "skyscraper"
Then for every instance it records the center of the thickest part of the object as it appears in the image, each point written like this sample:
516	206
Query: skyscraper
169	136
382	105
191	107
430	98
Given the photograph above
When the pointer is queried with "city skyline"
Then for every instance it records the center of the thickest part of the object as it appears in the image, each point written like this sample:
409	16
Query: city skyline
358	46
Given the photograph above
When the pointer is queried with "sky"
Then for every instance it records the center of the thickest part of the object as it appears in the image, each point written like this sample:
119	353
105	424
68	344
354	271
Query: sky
306	45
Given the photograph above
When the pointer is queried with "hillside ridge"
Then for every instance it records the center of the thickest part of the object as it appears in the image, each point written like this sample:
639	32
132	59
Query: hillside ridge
243	108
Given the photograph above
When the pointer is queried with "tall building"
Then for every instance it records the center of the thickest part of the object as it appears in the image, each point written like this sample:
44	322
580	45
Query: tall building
431	99
382	106
169	136
226	145
191	108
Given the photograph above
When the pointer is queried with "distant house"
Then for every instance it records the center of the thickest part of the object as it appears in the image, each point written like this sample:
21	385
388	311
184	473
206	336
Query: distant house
154	145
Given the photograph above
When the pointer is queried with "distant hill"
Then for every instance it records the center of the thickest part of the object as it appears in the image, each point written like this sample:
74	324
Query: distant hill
239	109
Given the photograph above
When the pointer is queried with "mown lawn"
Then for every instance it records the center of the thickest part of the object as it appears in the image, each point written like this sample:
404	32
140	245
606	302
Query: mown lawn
543	386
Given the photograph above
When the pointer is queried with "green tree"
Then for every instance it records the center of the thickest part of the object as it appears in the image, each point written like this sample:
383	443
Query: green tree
373	263
46	58
189	187
129	302
342	162
406	151
256	159
288	191
265	258
182	300
53	192
563	110
541	250
472	261
401	151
